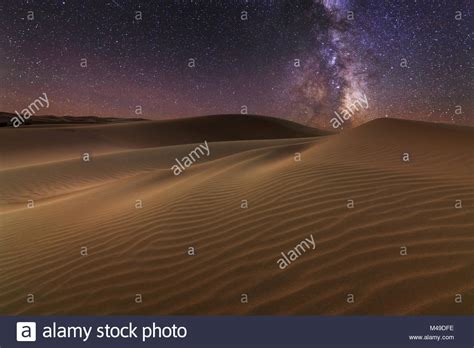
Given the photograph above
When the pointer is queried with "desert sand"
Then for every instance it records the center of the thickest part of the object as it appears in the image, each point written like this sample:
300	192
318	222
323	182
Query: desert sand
145	251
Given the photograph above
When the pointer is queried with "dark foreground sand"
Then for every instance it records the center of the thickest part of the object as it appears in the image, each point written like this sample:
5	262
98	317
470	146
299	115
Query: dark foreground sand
144	251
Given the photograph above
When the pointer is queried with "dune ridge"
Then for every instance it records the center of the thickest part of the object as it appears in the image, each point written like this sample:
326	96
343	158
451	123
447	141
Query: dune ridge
20	146
143	251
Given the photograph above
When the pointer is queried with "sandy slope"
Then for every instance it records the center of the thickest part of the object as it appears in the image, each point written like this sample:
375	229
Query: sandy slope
143	251
42	143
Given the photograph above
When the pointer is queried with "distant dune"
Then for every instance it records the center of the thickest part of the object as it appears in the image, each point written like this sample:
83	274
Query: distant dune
5	120
64	141
143	251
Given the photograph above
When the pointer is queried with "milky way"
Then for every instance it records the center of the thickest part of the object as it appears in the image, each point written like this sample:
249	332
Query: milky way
334	73
300	60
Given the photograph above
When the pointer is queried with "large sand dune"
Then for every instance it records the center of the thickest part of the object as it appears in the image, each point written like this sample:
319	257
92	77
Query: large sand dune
42	142
144	251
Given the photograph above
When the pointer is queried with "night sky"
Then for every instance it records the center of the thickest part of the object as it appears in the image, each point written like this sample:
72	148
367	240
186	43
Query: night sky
412	59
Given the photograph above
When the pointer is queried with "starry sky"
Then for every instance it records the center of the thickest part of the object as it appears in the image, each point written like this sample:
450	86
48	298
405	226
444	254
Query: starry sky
300	60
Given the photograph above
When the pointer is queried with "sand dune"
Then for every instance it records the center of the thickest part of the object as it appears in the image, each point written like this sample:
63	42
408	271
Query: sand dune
41	120
65	141
144	251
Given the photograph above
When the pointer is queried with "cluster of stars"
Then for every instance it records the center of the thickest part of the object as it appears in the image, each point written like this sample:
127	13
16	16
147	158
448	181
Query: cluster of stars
301	60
